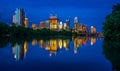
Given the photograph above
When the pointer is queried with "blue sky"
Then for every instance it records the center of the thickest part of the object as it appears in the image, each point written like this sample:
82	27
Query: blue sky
89	12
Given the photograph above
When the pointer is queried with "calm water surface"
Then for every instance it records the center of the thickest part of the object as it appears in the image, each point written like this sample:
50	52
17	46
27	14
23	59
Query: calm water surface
56	54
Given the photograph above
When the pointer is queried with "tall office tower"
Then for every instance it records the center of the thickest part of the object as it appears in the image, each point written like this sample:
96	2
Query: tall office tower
18	17
75	23
76	20
26	22
65	26
93	29
68	24
53	22
60	26
47	24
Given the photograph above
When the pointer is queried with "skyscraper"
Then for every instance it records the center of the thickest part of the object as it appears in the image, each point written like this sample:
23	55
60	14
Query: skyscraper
93	29
18	17
75	24
53	22
60	26
26	22
68	24
76	20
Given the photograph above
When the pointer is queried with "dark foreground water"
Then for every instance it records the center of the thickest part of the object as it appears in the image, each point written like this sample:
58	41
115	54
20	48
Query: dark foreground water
56	54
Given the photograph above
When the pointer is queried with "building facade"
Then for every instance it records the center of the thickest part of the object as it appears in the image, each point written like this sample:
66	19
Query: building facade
53	22
18	17
34	26
26	23
68	24
93	29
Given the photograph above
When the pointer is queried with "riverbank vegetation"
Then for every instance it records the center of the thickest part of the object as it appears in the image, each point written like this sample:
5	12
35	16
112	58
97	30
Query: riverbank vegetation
111	26
22	32
111	44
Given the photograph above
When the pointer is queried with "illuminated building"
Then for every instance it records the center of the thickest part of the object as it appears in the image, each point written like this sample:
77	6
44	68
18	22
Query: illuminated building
93	40
26	22
18	17
75	24
47	24
42	25
60	26
79	28
93	29
76	20
34	26
18	52
65	26
53	22
34	42
68	24
84	29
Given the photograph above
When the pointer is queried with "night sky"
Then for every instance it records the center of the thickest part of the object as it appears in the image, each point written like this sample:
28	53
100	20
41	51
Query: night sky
89	12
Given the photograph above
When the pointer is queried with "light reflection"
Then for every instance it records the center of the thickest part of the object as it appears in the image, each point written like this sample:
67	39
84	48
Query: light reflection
60	43
20	51
41	43
78	43
53	46
93	40
34	42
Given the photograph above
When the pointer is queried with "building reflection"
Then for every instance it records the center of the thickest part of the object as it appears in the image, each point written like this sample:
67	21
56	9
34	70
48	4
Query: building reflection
66	44
53	45
77	44
34	42
93	40
20	51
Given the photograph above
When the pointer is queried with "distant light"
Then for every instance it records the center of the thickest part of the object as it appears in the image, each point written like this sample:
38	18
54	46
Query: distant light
60	22
91	26
76	18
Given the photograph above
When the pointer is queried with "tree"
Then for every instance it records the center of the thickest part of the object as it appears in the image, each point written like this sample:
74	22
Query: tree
112	24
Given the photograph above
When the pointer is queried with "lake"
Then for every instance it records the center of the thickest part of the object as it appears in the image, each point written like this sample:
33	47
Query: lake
55	54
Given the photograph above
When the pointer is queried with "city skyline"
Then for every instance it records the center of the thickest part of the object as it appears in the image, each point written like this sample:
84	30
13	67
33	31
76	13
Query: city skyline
52	23
89	12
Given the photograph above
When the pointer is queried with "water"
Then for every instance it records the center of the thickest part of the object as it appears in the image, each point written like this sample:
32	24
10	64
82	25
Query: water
55	54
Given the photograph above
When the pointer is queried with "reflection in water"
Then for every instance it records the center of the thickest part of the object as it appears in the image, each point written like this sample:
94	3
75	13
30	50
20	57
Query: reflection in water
20	50
25	48
111	49
78	42
51	45
60	43
41	43
93	40
66	44
34	42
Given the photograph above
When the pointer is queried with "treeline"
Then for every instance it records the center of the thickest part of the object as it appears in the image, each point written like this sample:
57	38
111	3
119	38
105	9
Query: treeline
22	32
111	45
111	26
